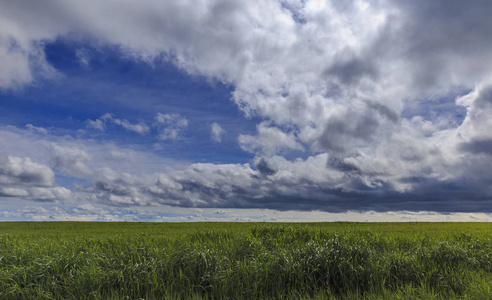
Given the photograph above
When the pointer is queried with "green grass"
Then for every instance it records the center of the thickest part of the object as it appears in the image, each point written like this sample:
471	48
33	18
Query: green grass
77	260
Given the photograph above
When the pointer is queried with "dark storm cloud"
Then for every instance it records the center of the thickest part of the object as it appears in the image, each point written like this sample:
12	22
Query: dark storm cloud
356	127
303	185
341	165
263	167
478	146
444	41
340	134
351	70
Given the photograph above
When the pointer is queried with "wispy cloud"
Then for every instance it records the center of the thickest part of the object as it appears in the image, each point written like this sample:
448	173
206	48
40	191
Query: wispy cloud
217	132
37	129
83	56
170	126
101	123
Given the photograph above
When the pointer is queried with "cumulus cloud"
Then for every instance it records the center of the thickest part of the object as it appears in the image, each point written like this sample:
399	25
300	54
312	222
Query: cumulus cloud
89	209
22	58
13	192
84	212
217	132
70	160
269	140
102	122
22	171
79	157
21	177
315	183
89	212
170	126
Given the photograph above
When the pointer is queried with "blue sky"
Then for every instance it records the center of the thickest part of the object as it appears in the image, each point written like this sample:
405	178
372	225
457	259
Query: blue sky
134	91
229	110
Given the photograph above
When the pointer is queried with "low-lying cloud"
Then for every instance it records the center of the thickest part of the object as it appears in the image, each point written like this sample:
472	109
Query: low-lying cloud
20	177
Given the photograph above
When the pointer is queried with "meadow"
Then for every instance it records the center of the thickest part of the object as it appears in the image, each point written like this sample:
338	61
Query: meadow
86	260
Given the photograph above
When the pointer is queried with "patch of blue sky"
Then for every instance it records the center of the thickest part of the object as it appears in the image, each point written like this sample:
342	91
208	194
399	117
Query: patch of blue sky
70	182
105	81
433	109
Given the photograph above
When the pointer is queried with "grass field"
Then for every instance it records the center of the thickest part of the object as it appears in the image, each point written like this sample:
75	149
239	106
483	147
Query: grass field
73	260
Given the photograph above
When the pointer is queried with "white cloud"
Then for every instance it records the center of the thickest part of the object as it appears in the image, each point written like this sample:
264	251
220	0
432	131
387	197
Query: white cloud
83	56
335	72
51	194
217	132
21	49
45	149
71	160
140	128
100	124
36	129
13	192
21	170
15	70
122	155
89	209
88	212
269	140
96	124
170	126
23	178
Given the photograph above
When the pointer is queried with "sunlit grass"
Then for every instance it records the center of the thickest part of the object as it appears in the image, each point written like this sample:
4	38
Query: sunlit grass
245	261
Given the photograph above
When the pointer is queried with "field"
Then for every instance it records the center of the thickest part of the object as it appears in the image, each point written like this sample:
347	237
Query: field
77	260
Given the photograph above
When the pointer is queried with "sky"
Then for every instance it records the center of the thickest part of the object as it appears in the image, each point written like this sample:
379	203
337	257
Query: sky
229	110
